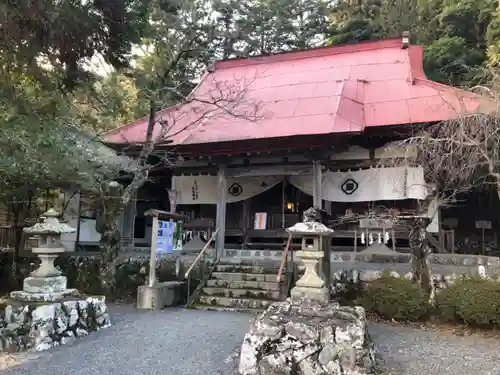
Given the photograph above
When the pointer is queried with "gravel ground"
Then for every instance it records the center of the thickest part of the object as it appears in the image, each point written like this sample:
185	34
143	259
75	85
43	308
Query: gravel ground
412	351
170	342
190	342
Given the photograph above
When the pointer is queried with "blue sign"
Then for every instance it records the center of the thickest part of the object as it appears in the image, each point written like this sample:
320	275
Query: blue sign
165	239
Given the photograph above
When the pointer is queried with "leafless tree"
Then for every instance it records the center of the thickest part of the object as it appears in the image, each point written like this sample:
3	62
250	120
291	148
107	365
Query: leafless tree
223	101
458	156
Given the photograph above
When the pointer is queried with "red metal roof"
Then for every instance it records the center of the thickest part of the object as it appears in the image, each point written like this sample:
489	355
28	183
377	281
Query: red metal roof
339	89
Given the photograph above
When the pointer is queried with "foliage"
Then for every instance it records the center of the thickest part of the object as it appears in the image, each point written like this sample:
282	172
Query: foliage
451	60
259	27
30	42
471	301
38	122
458	34
395	299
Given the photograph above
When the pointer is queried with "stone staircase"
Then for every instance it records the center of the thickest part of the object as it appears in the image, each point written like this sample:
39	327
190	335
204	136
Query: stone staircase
242	287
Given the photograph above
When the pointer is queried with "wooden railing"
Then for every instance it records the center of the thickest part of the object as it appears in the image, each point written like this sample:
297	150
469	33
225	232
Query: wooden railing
202	252
284	258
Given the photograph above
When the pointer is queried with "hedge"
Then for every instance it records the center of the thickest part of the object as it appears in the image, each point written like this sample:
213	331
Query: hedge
395	299
470	301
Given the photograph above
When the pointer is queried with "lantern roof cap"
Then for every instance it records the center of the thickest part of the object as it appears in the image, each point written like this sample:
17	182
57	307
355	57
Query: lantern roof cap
49	224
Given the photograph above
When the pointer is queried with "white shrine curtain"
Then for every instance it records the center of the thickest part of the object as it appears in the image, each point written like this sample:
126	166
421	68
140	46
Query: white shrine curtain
375	184
203	189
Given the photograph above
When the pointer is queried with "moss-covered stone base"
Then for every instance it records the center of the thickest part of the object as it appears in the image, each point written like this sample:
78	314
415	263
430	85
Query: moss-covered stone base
40	326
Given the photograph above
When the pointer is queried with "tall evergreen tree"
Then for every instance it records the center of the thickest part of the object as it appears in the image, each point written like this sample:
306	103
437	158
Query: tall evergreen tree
260	27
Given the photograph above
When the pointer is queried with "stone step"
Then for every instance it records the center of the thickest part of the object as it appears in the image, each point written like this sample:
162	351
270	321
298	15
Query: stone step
247	303
272	295
238	284
245	268
241	276
198	306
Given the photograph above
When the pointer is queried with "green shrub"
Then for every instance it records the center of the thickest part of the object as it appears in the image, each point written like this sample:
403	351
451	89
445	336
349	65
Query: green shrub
471	301
395	298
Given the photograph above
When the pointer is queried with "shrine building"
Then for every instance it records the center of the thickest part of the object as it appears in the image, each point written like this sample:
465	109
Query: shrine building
304	128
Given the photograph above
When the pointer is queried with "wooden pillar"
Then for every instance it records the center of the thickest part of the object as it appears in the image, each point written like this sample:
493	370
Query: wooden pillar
317	184
328	207
172	196
324	265
220	220
245	215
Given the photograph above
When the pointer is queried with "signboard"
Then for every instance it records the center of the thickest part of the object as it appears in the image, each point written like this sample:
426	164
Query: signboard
260	220
483	224
376	223
169	236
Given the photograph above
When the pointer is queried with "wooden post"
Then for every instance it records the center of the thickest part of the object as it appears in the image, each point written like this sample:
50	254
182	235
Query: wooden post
152	257
220	221
328	207
245	219
172	196
355	240
317	184
78	225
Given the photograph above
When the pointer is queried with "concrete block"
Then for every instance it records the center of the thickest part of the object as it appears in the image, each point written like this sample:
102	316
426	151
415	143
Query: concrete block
159	296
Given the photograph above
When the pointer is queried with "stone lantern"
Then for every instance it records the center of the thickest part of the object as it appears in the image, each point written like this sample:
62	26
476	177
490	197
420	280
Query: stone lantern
46	282
312	284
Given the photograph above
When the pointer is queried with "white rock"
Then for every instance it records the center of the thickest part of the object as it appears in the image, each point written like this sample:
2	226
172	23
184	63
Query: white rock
81	332
310	367
249	354
274	364
44	345
44	312
408	276
328	353
370	275
300	354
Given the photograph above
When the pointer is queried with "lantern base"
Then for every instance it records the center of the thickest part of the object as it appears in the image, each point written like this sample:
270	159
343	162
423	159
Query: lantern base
54	284
21	295
314	294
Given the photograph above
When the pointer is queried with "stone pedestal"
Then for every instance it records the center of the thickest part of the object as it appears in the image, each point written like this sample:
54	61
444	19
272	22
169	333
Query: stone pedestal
160	295
305	337
46	313
36	327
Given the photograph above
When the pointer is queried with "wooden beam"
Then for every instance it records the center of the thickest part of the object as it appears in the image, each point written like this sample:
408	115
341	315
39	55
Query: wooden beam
270	170
164	214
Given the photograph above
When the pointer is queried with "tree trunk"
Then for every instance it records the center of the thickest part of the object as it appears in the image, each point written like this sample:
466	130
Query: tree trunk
420	256
109	246
113	201
110	243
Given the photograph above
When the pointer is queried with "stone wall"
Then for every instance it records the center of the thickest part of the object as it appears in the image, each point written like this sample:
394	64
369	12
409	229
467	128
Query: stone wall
82	271
38	327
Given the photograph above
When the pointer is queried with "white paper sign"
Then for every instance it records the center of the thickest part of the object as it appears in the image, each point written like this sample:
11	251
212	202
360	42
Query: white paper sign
483	224
260	220
165	240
